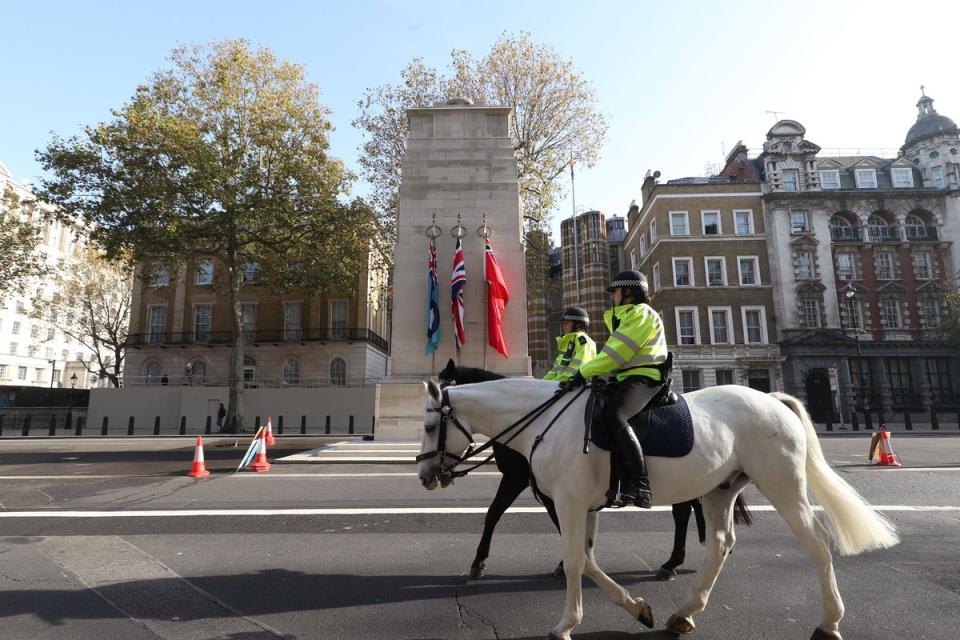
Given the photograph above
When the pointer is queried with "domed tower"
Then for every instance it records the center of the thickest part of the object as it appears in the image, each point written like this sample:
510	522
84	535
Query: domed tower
933	143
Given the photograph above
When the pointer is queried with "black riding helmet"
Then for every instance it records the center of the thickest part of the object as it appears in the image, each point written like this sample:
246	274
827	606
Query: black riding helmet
632	283
579	317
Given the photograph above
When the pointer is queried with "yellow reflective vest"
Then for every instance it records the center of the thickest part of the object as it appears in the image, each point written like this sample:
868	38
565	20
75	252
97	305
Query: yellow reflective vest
635	343
576	349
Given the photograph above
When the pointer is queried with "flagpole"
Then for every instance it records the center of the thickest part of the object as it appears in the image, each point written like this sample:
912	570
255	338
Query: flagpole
576	245
458	232
485	233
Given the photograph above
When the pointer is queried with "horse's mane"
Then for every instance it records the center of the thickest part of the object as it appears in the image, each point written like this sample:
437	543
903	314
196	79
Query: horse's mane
467	375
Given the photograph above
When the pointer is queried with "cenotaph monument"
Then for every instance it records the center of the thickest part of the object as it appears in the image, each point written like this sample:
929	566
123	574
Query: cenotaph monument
459	179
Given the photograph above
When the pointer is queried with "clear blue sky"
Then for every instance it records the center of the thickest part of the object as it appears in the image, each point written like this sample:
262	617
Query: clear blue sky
680	81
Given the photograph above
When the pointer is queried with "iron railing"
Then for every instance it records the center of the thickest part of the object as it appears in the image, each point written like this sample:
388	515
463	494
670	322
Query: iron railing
846	234
921	233
883	234
225	338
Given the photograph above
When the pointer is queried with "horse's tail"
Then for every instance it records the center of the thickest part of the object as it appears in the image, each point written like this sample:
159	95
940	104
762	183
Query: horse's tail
741	514
856	526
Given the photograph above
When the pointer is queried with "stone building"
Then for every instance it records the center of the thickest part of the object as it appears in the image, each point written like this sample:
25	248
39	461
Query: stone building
861	246
180	331
701	242
585	257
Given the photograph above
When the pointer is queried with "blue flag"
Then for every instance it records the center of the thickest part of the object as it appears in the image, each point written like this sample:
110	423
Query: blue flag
433	300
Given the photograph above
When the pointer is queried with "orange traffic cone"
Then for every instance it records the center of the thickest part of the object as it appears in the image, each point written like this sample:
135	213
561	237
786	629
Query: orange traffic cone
270	439
260	464
199	469
887	457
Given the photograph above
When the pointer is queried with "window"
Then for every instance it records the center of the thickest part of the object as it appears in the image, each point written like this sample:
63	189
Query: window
21	373
338	320
291	372
711	223
152	372
901	178
891	317
884	265
805	265
938	373
160	277
742	222
250	269
48	352
656	277
720	325
691	380
754	325
830	179
633	259
51	332
930	313
338	372
34	331
749	270
915	228
653	232
3	372
901	381
688	325
879	230
715	268
846	266
791	179
724	376
14	347
248	321
249	371
809	314
643	246
201	323
291	320
198	372
921	266
204	273
38	375
21	307
16	327
799	222
853	311
866	178
683	272
156	323
679	224
937	174
861	379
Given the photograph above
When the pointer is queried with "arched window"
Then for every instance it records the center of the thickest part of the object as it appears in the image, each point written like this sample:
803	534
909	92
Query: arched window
290	372
915	228
338	371
841	229
198	372
153	373
879	230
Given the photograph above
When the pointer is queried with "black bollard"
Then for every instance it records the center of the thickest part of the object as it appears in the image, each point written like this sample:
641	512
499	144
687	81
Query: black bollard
373	425
867	420
206	427
257	422
934	423
183	425
326	429
130	426
53	425
234	421
79	430
854	421
68	423
908	420
26	425
156	425
351	425
303	425
830	423
280	425
103	427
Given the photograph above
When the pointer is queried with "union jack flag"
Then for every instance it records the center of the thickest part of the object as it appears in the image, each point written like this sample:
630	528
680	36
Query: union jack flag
457	281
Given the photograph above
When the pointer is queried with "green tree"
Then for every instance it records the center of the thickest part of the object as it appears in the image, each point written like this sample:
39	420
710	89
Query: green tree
555	119
90	303
222	156
21	228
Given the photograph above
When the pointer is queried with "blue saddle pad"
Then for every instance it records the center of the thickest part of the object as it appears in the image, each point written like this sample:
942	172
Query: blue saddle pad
670	434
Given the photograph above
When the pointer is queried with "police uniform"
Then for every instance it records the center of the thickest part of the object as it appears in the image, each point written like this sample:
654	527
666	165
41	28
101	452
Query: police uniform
576	348
635	355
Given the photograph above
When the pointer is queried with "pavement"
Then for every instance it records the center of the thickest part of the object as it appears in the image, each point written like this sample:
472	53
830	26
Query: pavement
108	539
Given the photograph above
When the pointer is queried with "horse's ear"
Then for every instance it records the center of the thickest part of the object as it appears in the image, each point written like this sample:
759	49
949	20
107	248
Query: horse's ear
451	365
433	389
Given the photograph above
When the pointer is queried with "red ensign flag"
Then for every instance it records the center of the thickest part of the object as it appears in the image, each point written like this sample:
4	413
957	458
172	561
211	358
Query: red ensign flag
497	297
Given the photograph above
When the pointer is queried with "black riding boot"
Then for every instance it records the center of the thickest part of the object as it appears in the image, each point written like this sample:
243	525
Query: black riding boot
636	487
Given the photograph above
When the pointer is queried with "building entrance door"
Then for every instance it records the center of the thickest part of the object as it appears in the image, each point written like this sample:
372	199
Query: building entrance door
759	379
819	396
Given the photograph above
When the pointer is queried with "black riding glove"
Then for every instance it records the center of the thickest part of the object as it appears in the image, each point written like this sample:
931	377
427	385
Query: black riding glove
576	381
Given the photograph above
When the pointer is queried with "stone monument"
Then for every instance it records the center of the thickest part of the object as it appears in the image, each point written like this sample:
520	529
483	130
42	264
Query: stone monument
459	177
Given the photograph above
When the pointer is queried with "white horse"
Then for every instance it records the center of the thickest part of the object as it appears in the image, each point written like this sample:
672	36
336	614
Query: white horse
741	435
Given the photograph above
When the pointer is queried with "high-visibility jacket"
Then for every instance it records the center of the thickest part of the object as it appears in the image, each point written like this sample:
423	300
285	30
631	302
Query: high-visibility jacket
636	342
576	349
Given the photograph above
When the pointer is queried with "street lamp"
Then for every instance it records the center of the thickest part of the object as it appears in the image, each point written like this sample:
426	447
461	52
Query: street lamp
851	294
73	383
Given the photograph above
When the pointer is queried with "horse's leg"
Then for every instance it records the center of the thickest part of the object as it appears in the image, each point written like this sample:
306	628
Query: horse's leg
718	512
681	518
637	608
512	485
573	533
552	512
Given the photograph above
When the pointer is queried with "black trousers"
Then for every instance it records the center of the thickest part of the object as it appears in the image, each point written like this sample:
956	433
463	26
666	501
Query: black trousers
628	399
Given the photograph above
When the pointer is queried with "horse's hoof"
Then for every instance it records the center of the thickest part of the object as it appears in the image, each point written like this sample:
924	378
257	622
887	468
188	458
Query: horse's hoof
820	634
664	574
646	616
679	625
477	572
558	572
553	636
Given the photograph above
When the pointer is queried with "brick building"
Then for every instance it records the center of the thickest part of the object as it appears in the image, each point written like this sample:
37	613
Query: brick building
585	258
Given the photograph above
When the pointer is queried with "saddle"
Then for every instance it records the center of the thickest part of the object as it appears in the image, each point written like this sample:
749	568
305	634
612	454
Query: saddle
664	427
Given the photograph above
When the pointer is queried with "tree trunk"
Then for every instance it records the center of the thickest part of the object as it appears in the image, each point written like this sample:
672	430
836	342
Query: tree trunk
236	420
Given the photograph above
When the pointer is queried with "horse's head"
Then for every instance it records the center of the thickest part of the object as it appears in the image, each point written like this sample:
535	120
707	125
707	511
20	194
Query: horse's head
441	446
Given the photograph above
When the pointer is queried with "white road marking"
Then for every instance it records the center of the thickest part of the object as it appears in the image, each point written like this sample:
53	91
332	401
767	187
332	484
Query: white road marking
232	475
375	511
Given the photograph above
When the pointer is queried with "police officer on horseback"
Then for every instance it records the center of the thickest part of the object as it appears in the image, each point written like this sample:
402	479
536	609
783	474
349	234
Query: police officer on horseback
575	346
636	357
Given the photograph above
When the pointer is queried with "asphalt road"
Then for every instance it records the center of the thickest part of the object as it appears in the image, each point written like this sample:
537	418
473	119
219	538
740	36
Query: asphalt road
361	551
